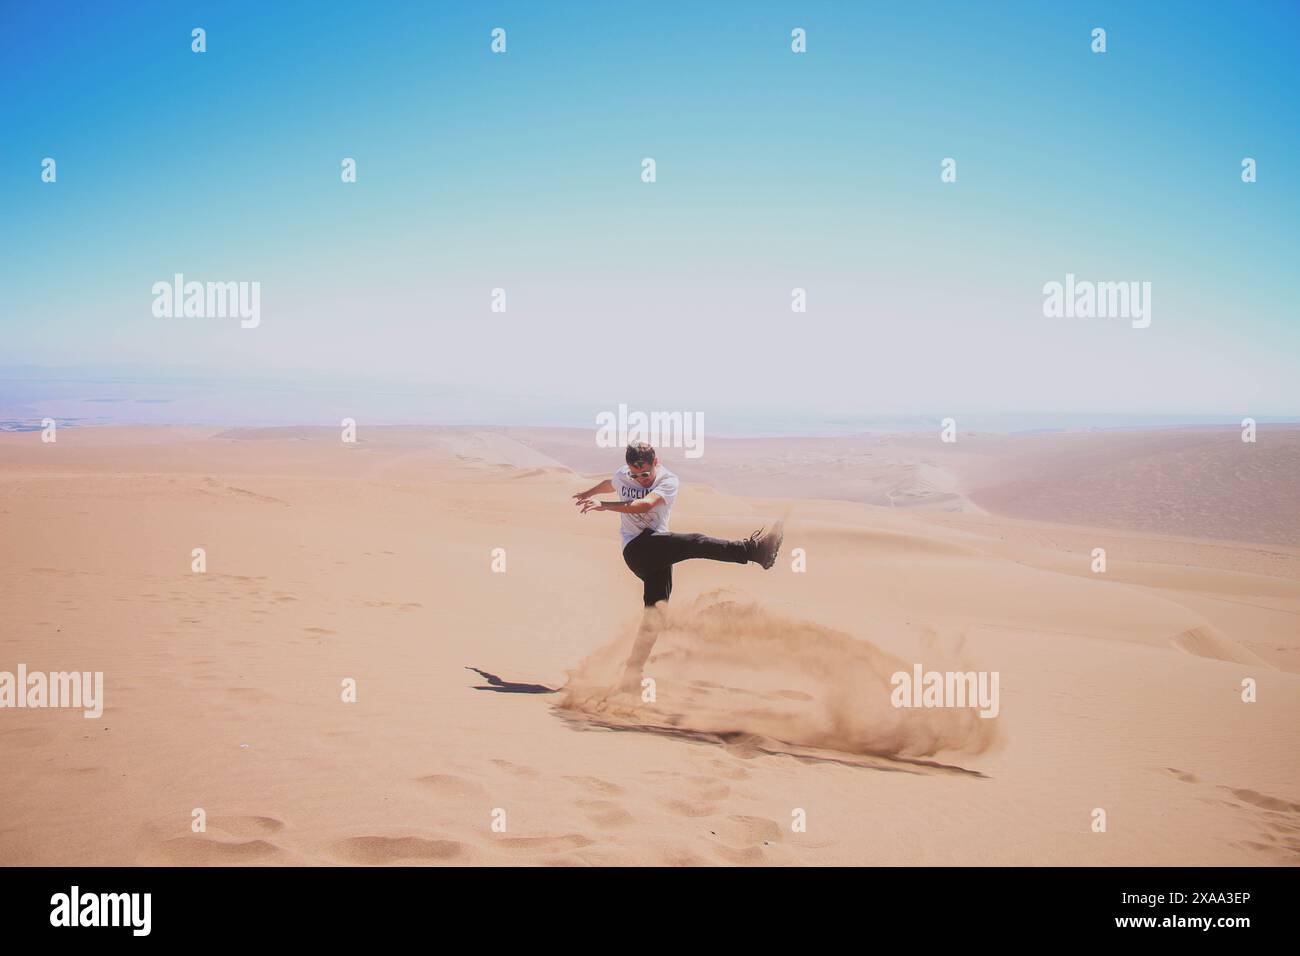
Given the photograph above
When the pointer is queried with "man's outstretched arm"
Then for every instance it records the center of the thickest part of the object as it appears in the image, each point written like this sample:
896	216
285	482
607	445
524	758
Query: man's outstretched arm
605	487
640	506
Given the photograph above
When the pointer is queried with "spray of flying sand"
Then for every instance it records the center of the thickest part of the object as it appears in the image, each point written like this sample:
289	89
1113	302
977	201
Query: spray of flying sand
728	667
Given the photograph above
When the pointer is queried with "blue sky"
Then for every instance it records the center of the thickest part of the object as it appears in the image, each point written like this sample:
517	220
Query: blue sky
775	170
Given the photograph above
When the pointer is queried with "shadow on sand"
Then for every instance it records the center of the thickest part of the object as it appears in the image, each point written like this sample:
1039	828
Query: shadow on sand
495	683
748	746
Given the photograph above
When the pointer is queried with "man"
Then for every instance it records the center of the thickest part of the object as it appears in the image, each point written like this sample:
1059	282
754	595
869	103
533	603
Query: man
646	491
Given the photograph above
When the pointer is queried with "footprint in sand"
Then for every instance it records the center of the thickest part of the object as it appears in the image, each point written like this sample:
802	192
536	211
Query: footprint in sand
517	769
694	796
595	783
382	851
741	830
200	850
741	839
569	841
687	808
731	772
449	785
246	826
1264	802
604	813
1278	820
743	856
702	787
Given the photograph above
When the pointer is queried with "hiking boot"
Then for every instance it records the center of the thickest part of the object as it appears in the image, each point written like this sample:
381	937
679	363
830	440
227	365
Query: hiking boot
763	545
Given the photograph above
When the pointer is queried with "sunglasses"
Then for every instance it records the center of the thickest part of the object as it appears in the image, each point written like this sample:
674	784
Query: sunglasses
641	474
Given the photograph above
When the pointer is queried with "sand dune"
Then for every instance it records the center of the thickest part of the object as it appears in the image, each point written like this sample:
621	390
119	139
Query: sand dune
1200	482
373	562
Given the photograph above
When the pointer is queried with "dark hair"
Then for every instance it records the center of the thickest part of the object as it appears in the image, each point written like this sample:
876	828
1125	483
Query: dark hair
639	453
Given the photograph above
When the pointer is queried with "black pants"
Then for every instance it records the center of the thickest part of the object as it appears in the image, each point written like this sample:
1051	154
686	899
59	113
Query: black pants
652	556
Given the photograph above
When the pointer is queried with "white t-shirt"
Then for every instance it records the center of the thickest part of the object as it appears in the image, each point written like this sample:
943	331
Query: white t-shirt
656	519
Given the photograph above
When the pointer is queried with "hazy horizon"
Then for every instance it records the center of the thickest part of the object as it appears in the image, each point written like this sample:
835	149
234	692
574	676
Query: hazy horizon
107	396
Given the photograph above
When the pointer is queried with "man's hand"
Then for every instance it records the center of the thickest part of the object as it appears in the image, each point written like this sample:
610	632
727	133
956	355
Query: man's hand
588	505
